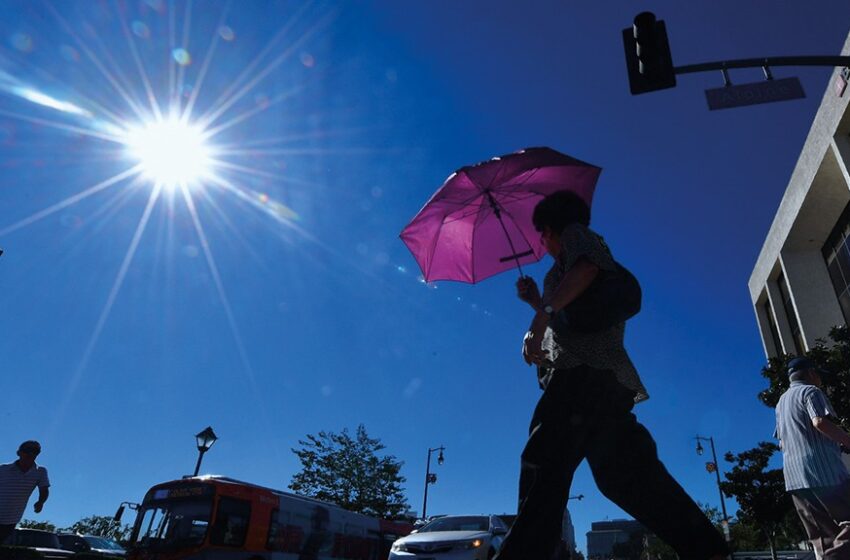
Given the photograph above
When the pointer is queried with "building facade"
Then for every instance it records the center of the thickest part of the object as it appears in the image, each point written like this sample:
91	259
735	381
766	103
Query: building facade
603	535
800	286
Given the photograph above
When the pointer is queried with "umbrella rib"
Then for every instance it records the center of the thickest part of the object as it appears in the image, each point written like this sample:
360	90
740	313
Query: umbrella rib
476	210
495	176
511	196
524	181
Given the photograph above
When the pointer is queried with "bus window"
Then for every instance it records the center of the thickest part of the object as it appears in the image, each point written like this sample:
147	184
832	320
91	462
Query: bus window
231	522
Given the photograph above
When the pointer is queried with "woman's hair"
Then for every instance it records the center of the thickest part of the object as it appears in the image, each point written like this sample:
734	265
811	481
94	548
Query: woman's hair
560	209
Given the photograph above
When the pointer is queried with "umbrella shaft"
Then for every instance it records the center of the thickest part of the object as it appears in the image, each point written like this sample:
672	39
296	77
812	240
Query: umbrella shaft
498	213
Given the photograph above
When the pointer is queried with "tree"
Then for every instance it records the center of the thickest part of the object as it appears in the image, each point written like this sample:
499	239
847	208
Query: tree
833	355
347	470
42	525
101	526
761	493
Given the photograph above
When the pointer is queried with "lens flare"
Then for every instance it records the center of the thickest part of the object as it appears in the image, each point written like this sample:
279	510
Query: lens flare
170	152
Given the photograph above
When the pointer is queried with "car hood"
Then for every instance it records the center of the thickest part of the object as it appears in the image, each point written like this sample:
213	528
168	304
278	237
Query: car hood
444	536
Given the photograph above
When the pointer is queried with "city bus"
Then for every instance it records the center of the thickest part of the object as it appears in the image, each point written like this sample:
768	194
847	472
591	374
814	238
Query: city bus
219	518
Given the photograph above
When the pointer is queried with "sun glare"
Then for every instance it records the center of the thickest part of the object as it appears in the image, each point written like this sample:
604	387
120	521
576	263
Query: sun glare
170	152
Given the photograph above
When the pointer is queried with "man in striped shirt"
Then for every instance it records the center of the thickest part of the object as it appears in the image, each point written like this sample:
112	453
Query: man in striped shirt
17	481
811	452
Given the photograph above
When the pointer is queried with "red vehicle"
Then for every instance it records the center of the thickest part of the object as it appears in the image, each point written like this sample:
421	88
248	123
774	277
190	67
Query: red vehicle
218	518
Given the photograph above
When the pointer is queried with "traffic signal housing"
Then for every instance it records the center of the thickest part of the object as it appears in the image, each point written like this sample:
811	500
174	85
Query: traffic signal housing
648	58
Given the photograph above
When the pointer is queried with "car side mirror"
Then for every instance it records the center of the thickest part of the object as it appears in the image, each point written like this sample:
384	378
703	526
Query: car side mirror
118	514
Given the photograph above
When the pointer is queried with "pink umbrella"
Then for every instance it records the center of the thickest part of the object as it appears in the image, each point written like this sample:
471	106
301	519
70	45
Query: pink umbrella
479	222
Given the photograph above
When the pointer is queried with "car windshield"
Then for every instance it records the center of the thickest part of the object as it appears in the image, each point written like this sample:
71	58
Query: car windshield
173	523
102	543
466	523
36	539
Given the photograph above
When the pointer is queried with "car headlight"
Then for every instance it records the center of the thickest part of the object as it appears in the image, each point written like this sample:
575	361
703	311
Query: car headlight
474	543
399	547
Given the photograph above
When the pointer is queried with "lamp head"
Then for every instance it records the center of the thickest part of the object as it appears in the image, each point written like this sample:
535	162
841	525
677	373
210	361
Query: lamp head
440	458
699	448
205	439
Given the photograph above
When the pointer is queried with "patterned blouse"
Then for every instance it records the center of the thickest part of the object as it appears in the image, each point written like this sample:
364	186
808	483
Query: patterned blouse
601	349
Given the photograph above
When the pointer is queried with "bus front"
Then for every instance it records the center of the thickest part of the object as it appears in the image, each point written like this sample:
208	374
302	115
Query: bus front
173	521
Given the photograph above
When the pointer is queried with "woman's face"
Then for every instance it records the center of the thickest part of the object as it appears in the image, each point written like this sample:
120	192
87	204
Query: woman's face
552	241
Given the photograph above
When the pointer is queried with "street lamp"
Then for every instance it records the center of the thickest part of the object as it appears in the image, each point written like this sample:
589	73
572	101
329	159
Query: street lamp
580	497
716	468
431	478
205	440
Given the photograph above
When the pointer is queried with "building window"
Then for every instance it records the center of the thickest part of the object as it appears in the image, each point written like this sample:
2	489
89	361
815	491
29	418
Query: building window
793	322
771	326
836	253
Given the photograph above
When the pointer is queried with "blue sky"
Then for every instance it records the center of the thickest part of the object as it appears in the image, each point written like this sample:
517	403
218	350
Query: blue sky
313	317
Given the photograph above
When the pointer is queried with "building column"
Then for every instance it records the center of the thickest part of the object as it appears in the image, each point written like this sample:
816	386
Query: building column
763	322
782	324
840	147
812	294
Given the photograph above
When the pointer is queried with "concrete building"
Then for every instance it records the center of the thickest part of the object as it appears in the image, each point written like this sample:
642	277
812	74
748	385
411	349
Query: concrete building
603	535
800	286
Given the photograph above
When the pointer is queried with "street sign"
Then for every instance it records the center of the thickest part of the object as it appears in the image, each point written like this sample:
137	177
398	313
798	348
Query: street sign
767	91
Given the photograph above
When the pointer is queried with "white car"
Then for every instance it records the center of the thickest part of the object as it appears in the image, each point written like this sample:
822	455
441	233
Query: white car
453	537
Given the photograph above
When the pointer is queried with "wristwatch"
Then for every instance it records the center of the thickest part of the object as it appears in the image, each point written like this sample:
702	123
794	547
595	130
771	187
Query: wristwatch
549	310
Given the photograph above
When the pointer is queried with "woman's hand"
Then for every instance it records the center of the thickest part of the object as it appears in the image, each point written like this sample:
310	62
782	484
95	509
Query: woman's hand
527	291
532	351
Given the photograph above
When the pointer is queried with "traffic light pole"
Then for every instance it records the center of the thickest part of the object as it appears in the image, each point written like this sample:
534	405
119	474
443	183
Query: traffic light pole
765	63
650	64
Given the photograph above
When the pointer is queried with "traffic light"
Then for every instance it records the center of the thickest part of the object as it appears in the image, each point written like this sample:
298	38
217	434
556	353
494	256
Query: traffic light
648	57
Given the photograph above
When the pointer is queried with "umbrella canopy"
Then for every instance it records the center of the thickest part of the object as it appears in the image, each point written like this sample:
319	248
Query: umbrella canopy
479	222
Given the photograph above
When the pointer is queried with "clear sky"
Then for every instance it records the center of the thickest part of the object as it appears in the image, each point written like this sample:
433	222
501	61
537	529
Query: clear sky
277	300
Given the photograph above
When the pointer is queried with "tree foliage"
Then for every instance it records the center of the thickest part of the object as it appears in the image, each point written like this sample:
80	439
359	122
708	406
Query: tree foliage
348	471
760	493
833	355
41	525
101	526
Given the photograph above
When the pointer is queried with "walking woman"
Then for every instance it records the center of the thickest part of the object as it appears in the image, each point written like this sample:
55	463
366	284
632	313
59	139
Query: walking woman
589	389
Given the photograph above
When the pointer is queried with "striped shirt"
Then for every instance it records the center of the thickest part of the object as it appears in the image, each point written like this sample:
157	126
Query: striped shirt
810	459
601	350
16	486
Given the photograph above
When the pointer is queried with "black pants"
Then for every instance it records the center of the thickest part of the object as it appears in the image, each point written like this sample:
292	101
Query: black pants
5	531
585	413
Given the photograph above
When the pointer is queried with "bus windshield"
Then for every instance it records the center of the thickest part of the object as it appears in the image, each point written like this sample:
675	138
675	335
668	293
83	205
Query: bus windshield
173	523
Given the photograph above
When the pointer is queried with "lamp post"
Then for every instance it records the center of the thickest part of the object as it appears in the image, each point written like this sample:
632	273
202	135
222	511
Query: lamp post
205	440
580	497
716	469
431	478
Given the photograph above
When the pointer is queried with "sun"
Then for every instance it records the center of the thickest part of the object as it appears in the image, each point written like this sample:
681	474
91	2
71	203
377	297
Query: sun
170	152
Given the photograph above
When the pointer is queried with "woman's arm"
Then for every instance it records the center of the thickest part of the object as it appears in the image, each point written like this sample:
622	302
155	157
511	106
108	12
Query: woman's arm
576	280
